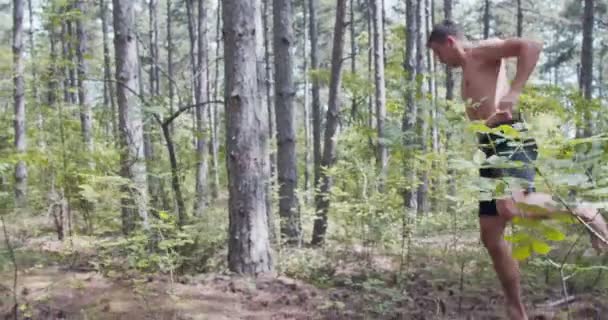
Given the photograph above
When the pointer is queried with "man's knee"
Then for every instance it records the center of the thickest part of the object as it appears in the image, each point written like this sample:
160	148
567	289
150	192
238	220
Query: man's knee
491	242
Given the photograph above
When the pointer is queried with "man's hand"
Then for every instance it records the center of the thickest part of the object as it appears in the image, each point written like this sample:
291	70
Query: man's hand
504	112
507	102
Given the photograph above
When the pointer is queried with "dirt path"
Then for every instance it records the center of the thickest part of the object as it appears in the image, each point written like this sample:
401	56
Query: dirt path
52	293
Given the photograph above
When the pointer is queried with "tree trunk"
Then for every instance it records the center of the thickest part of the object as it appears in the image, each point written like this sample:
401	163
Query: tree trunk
410	117
201	96
64	58
264	91
316	88
215	185
586	78
19	104
51	73
284	92
179	198
85	105
486	19
422	124
307	131
35	94
131	125
432	87
520	19
449	96
380	93
246	141
154	51
333	112
370	64
353	56
108	97
71	65
170	72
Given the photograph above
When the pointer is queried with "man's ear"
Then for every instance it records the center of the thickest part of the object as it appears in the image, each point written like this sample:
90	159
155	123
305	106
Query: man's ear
450	41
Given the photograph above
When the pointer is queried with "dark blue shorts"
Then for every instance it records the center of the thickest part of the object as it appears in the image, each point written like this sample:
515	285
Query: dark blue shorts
524	151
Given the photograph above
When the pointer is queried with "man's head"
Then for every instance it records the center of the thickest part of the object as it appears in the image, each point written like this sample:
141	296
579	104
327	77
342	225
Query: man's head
446	42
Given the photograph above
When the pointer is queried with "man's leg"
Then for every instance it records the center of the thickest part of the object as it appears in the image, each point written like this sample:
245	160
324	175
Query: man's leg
506	267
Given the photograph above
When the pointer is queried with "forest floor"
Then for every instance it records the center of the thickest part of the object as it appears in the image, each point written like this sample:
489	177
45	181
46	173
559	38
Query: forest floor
447	278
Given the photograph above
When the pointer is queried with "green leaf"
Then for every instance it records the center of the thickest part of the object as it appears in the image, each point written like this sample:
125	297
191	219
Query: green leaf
540	247
518	237
522	252
553	234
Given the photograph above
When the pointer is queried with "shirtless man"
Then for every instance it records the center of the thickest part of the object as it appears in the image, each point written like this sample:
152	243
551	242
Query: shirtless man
491	99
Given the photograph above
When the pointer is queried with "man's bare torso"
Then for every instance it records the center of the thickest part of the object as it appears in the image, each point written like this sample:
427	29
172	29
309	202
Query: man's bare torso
484	83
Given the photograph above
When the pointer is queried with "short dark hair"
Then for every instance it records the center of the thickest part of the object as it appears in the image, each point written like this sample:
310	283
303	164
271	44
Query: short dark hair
442	30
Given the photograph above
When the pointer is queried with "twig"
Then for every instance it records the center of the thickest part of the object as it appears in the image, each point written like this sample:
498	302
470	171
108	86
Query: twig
14	261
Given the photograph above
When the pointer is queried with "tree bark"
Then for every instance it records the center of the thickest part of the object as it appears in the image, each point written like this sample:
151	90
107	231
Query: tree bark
246	141
486	19
449	96
35	94
70	58
179	198
333	112
586	75
353	56
284	93
520	19
264	91
85	106
432	86
19	104
422	130
108	97
307	131
380	90
170	72
201	95
316	88
410	117
133	165
215	185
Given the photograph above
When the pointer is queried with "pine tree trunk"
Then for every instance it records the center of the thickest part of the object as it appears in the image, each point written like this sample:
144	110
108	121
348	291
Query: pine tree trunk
85	106
586	78
246	141
380	90
64	60
307	131
410	117
35	94
370	64
422	125
449	96
215	185
19	104
201	96
284	93
264	76
432	87
486	19
51	72
333	111
520	19
108	100
316	88
130	115
71	63
353	56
